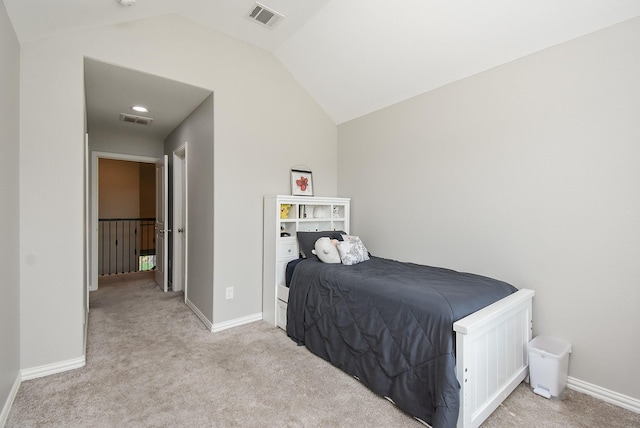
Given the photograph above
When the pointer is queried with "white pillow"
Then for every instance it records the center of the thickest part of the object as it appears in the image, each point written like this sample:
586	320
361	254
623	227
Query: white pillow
352	250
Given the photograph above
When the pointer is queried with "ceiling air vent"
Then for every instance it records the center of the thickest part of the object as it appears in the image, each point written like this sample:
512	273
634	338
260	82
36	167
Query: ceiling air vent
265	16
132	118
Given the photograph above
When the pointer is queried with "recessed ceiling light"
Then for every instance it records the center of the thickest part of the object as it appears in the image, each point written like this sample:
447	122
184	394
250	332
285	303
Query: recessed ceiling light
139	109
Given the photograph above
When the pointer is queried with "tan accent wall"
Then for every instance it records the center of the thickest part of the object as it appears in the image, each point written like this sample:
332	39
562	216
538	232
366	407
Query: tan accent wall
119	189
147	190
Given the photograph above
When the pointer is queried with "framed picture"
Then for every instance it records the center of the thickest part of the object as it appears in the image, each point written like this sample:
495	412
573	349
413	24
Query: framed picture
301	183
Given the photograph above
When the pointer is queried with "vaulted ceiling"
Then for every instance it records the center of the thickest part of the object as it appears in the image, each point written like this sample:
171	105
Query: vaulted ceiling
357	56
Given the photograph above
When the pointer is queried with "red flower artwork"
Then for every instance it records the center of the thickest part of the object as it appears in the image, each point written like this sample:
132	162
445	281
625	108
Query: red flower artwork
302	183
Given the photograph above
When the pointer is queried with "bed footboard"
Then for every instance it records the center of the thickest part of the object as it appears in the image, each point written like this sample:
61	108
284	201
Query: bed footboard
491	355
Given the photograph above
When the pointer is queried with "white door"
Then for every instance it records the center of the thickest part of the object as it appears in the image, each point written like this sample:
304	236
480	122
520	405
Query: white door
179	264
162	214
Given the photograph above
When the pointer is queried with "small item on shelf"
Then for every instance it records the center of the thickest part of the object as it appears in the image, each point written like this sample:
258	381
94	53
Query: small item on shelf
283	232
284	210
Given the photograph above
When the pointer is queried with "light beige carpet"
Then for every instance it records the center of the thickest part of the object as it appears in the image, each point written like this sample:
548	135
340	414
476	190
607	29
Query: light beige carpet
152	363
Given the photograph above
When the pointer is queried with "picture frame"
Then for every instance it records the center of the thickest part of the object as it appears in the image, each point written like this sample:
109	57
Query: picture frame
301	183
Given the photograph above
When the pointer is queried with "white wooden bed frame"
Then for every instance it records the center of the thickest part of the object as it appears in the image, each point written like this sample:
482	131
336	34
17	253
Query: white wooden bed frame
491	355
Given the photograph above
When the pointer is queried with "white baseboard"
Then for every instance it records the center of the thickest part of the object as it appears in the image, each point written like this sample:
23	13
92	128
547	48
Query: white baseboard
604	394
36	372
214	328
7	405
49	369
199	314
236	322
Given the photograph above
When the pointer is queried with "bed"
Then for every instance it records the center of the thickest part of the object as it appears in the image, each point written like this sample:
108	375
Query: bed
446	347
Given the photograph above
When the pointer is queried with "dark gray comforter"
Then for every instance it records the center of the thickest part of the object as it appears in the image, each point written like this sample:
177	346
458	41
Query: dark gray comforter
390	324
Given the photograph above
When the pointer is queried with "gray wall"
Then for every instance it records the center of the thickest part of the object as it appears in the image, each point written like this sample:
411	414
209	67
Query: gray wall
529	173
264	124
129	143
9	208
197	132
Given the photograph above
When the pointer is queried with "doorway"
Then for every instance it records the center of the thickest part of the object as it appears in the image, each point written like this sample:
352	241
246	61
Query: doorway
126	216
129	235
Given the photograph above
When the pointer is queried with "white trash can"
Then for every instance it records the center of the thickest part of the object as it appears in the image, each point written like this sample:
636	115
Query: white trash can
548	365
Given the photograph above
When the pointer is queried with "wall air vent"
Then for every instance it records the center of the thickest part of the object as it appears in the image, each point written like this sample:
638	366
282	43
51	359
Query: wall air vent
132	118
265	16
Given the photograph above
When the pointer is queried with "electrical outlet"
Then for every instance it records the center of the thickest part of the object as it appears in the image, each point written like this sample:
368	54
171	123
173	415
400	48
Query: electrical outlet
229	293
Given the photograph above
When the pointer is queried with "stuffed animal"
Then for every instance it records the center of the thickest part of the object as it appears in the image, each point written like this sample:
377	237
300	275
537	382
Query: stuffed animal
284	210
327	250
